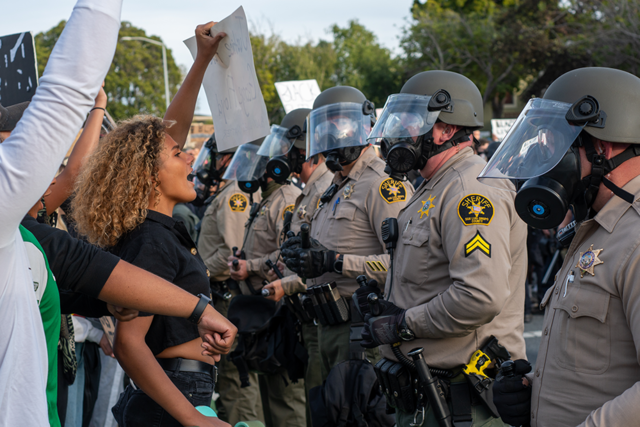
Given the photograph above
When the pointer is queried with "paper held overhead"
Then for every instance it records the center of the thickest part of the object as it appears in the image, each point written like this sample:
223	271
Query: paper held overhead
230	82
500	127
297	94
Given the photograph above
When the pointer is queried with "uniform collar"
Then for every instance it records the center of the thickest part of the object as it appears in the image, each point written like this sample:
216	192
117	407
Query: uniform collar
161	218
613	210
463	154
368	157
317	173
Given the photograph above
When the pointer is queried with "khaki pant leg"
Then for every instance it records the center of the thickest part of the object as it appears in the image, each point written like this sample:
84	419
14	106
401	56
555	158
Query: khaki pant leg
286	404
480	415
334	347
236	404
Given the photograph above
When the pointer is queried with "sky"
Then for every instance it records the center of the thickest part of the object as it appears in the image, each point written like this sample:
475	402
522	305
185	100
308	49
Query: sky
175	20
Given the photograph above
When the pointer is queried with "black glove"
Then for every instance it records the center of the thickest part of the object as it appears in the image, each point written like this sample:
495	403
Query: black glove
308	263
360	297
511	397
385	328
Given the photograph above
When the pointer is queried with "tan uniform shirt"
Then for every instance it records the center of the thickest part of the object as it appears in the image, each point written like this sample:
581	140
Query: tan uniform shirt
306	204
588	370
223	228
460	265
350	222
263	236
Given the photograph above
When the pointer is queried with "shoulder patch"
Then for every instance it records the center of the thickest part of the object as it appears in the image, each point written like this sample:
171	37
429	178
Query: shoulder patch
238	202
287	209
393	190
475	209
477	243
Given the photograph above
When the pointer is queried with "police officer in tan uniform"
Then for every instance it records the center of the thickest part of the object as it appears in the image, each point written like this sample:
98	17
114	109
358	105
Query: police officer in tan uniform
345	229
222	229
285	403
317	178
579	145
460	263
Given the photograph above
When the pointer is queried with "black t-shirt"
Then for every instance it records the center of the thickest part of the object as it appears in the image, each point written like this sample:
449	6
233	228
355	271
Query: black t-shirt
162	246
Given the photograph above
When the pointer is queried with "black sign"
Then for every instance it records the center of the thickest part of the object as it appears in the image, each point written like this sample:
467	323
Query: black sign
18	69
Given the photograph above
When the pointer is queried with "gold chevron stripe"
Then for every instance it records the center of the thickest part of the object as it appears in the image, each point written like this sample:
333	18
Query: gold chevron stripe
478	242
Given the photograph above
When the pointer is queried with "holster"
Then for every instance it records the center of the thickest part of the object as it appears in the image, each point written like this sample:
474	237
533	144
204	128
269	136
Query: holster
294	302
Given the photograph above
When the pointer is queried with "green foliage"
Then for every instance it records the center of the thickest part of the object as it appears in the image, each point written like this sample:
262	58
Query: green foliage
135	82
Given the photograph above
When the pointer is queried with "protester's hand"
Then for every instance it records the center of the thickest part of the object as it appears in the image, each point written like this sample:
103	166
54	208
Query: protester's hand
276	292
512	395
217	333
105	346
122	314
241	273
101	98
207	45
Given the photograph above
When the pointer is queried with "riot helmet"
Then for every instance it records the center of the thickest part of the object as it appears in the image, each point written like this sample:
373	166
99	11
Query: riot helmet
248	167
541	150
404	129
282	146
338	126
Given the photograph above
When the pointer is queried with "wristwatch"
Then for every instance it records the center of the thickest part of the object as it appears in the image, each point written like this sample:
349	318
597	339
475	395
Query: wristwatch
337	265
200	307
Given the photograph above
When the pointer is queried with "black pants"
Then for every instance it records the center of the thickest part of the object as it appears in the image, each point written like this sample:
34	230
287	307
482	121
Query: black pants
142	411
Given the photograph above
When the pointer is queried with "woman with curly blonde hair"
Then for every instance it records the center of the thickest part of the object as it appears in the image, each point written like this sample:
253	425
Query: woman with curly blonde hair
124	202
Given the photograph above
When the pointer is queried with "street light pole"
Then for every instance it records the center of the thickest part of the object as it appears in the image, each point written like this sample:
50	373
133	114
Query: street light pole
164	62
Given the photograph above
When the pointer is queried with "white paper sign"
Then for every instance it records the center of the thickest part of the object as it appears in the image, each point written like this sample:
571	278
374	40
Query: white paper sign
500	127
237	106
297	94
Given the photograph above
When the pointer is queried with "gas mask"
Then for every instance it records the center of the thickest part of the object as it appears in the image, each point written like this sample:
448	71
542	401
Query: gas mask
541	153
248	168
339	131
405	131
284	157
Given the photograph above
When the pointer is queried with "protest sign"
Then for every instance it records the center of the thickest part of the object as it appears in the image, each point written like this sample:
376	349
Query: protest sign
297	94
18	69
230	82
500	127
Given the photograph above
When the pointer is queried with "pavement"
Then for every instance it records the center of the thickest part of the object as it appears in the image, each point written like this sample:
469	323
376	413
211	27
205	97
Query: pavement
532	334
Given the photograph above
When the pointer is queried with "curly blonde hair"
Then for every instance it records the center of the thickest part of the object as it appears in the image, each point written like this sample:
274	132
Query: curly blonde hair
112	192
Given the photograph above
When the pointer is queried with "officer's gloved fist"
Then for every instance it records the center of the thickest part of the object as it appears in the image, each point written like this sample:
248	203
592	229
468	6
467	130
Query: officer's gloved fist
512	396
316	260
385	328
360	296
290	252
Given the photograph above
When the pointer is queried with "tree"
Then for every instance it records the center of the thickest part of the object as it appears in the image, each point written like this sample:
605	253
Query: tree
135	82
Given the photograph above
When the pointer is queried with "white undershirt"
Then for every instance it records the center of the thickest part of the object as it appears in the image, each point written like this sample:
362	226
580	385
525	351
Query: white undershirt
29	159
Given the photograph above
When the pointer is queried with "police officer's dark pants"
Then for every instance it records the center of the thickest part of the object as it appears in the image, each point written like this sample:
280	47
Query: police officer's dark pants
284	405
479	413
313	371
236	404
334	346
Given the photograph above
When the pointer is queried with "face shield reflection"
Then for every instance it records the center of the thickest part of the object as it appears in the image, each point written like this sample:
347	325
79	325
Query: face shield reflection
404	116
246	164
276	143
535	144
336	126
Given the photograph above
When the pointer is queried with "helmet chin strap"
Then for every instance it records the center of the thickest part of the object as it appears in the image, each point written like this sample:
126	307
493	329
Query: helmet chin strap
601	166
431	149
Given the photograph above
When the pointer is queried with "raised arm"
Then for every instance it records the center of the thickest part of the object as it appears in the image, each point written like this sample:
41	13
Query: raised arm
184	103
30	157
87	142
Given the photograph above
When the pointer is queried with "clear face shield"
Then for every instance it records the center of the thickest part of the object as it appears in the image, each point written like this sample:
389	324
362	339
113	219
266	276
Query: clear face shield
337	126
276	143
404	117
246	164
535	144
